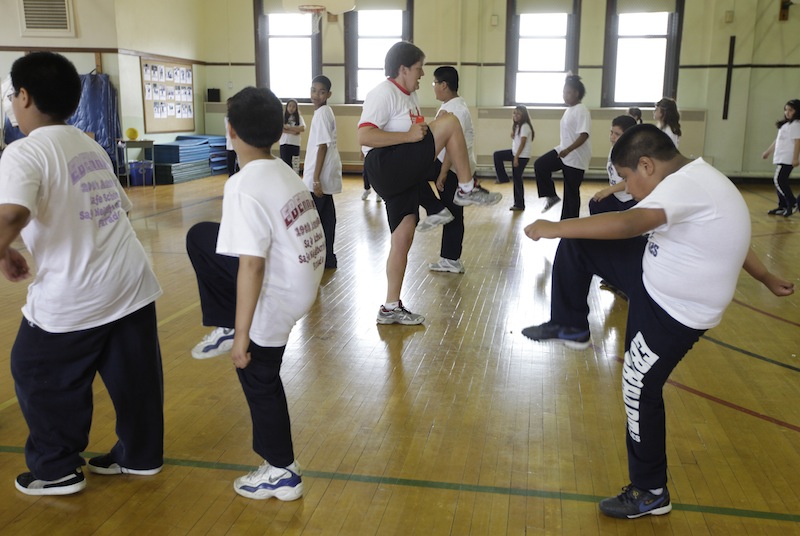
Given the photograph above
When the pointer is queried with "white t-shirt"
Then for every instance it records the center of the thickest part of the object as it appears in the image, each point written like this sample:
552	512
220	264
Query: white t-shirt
90	267
268	213
228	142
784	143
575	121
525	131
692	262
323	130
674	137
614	179
390	108
292	139
458	107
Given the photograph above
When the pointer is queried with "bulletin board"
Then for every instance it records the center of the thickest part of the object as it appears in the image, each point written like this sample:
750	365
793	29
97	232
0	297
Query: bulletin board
167	96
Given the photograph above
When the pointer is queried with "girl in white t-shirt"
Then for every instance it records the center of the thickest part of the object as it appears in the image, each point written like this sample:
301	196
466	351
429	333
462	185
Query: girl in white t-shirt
786	157
293	126
669	119
572	155
519	154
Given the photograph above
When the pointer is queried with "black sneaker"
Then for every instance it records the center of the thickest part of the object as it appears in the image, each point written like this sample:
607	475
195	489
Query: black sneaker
30	485
105	465
788	211
776	211
634	502
576	338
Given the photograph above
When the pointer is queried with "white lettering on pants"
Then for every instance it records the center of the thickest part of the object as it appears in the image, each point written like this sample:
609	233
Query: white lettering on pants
639	359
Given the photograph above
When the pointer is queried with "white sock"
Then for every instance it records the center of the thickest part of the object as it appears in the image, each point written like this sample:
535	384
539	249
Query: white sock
466	187
658	491
391	306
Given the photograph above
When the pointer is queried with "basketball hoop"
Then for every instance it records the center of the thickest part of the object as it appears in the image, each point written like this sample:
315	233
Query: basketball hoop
316	15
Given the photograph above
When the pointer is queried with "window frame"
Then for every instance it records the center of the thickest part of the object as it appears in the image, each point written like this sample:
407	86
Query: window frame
671	61
512	51
351	48
262	51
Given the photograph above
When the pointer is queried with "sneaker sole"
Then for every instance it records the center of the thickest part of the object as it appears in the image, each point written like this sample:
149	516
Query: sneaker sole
464	203
122	470
282	494
443	270
387	322
55	490
575	345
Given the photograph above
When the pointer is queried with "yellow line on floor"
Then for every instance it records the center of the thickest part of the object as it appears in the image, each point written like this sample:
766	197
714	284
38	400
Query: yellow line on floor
178	314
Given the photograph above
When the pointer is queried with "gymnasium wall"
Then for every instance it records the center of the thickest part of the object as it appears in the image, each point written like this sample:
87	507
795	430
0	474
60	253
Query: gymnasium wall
216	36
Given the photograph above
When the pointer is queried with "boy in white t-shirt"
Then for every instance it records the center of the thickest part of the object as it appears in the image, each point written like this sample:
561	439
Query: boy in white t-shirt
91	306
679	280
258	272
322	171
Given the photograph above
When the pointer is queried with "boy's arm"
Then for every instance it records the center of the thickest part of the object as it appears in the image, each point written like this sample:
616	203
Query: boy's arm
776	284
606	226
609	190
322	150
446	163
372	136
13	219
248	288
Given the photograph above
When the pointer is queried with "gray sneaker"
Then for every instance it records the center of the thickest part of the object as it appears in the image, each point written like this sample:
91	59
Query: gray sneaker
477	196
399	315
550	202
440	218
447	265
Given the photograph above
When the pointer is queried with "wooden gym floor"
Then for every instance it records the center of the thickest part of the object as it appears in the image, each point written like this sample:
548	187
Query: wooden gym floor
460	426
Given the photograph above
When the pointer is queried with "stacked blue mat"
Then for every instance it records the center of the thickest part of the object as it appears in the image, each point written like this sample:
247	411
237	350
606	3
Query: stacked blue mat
182	160
218	155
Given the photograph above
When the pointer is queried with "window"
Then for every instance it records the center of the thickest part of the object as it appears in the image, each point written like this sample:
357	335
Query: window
368	36
641	55
540	50
294	54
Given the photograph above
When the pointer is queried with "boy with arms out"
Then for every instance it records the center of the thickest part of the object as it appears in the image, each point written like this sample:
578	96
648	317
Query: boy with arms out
399	148
679	281
322	171
258	272
91	306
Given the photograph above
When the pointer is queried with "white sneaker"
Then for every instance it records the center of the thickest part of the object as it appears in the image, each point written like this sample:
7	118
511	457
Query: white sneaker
365	195
440	218
447	265
550	202
477	196
283	483
218	342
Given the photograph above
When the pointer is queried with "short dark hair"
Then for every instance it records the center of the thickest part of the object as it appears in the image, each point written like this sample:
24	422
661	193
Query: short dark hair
624	122
256	116
401	54
52	82
642	140
323	80
449	75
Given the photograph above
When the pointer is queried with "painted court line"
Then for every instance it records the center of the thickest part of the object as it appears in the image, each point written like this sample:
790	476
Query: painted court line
452	486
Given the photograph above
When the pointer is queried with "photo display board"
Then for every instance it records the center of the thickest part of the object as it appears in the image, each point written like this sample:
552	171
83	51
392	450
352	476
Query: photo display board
167	96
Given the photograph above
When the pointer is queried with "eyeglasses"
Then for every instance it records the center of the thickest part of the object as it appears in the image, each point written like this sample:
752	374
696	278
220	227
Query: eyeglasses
436	82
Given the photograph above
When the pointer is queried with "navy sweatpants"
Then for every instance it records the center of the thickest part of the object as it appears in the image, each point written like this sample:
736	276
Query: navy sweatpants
260	380
453	232
654	341
53	375
543	167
